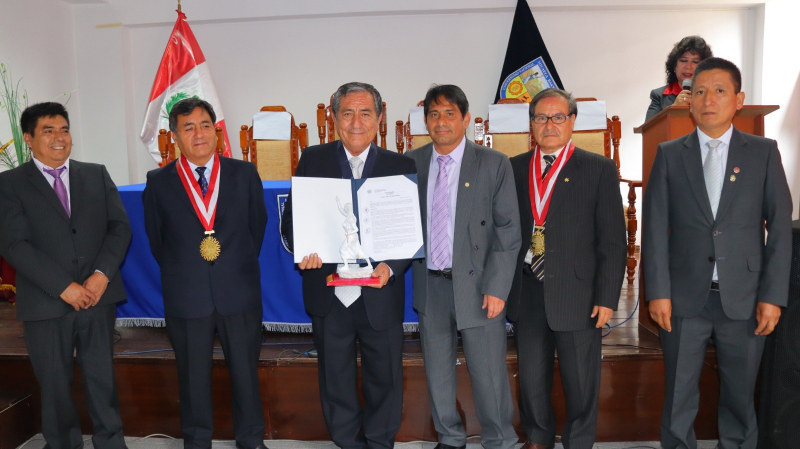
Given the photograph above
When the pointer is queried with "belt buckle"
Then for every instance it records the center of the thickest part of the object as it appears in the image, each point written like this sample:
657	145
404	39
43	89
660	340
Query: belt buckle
714	286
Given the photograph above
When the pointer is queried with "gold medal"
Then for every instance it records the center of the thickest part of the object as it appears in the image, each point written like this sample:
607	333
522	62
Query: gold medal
210	247
537	242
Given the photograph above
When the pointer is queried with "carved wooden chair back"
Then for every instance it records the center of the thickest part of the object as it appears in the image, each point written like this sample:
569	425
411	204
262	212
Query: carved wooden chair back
406	141
275	159
508	143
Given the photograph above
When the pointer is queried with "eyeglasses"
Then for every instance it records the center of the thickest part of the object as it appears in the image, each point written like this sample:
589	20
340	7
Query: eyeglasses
556	119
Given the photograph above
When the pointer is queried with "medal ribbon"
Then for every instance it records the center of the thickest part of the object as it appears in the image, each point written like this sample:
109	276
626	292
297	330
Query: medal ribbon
205	208
542	189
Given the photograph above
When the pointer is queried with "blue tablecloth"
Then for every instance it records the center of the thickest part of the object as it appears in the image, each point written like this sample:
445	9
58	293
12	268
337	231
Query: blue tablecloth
281	291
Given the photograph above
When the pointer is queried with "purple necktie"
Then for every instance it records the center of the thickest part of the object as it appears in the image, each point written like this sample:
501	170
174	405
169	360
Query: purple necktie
59	187
440	217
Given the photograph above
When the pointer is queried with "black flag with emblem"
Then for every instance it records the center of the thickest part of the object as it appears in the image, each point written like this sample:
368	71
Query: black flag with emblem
528	68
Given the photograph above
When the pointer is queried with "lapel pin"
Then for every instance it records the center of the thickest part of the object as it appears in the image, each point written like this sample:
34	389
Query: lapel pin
566	179
733	178
466	184
736	169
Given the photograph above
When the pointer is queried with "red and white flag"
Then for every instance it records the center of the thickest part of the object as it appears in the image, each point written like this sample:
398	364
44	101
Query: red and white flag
183	73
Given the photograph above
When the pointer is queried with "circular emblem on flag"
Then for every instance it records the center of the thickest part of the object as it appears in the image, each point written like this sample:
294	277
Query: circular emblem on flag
515	87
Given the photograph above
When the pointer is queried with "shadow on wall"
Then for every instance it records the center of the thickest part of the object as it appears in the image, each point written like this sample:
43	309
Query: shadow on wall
790	132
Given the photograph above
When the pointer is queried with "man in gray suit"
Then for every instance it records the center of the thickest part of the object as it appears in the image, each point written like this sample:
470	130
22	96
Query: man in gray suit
708	269
471	230
568	275
64	229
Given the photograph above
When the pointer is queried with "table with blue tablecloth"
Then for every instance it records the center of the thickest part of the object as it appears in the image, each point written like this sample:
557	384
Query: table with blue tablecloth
281	290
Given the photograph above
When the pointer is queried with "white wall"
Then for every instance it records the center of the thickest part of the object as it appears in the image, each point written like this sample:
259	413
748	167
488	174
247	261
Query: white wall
37	45
295	54
781	86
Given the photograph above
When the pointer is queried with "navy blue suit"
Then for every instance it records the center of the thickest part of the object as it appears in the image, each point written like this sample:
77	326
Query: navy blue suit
204	298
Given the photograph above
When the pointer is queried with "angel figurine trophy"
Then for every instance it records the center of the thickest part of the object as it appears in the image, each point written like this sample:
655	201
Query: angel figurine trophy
351	250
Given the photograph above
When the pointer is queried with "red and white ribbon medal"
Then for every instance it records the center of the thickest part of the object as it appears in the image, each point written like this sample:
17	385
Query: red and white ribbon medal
542	192
204	207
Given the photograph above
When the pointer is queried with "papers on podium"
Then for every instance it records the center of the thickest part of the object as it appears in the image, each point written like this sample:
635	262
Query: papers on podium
387	209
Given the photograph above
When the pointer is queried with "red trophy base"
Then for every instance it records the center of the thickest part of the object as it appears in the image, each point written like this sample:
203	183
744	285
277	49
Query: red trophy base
333	280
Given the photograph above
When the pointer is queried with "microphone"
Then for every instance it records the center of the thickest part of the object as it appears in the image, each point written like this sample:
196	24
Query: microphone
687	84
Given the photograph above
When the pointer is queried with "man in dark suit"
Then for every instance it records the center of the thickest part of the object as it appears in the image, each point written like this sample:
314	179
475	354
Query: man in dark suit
205	218
470	224
64	229
342	315
569	272
708	269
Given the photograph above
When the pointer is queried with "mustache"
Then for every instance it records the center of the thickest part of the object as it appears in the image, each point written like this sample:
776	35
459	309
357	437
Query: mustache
550	134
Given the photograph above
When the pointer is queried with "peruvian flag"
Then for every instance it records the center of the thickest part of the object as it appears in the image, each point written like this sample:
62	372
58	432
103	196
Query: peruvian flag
183	73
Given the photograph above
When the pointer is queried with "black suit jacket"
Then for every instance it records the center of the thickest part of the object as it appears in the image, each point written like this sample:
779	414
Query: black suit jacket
585	240
385	306
193	287
49	249
659	101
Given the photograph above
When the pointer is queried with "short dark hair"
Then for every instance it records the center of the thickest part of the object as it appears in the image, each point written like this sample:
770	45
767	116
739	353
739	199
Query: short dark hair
448	92
550	93
722	64
352	87
693	44
186	107
31	115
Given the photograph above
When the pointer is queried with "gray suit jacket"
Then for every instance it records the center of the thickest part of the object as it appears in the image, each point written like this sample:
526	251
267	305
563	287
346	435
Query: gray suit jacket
658	101
49	249
486	240
682	240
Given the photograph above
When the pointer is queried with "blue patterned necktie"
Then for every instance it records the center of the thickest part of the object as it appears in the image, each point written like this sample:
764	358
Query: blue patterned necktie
201	171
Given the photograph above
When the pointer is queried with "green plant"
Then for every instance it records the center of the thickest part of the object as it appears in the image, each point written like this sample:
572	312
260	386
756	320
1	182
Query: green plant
14	104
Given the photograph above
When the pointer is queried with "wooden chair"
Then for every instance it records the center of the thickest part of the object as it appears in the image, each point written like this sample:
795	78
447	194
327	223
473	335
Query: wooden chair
508	143
169	151
327	130
602	141
275	159
403	137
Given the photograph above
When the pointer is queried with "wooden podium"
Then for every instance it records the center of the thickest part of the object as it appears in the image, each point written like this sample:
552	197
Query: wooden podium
671	123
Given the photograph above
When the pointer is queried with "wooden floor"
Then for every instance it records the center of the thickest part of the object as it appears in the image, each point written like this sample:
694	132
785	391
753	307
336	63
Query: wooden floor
632	385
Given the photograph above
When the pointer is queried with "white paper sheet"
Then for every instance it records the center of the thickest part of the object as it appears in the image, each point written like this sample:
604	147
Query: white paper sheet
416	116
390	223
591	115
316	219
272	125
509	118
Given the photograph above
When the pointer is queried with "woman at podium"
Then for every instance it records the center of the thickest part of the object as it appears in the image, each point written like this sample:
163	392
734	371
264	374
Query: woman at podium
681	61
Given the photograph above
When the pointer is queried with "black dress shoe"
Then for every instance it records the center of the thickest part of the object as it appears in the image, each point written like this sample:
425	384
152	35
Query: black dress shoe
447	446
262	446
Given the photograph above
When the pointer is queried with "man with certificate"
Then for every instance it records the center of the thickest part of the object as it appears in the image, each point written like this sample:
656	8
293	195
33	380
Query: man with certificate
205	218
342	315
569	272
